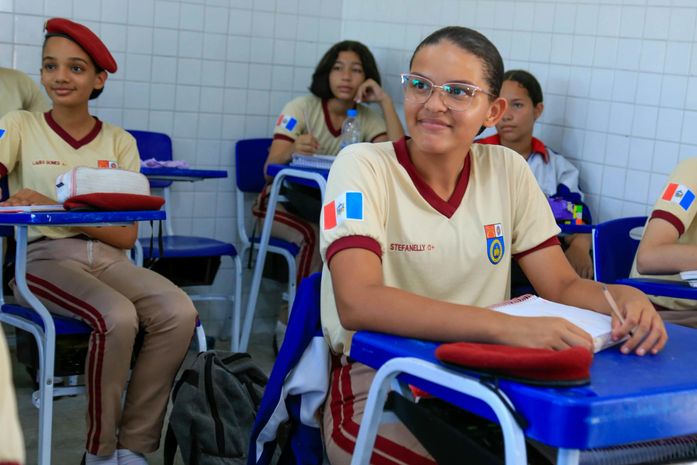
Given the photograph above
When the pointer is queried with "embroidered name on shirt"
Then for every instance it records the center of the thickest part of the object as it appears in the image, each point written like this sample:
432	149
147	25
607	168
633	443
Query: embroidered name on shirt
47	162
411	247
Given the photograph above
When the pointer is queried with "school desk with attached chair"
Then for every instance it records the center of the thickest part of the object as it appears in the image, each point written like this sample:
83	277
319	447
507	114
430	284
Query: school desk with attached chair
629	399
38	321
307	176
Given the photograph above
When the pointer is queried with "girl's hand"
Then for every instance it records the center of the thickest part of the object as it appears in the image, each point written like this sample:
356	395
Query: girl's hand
28	197
641	321
306	144
545	333
370	91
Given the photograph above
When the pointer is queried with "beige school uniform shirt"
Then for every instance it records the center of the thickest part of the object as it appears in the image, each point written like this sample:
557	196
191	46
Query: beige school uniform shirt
34	151
19	92
457	250
292	123
677	205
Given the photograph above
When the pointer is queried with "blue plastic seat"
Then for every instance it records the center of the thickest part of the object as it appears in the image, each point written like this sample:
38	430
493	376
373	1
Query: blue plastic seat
250	156
159	146
614	248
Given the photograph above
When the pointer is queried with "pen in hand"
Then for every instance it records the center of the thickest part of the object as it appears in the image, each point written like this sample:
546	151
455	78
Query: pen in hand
613	306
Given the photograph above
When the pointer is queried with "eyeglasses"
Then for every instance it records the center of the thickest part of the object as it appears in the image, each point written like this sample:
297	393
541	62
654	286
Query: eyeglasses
456	95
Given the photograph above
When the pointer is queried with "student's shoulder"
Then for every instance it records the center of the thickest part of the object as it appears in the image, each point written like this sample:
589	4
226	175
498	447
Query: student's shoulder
304	101
687	167
117	132
496	157
9	74
22	117
371	156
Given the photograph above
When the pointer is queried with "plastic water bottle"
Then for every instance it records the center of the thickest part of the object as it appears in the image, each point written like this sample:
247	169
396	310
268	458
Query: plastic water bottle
351	129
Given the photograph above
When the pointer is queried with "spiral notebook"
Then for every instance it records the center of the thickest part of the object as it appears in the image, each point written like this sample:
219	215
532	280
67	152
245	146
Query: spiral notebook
31	208
312	161
598	325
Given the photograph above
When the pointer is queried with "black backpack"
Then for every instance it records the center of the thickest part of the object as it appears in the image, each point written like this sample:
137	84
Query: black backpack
213	408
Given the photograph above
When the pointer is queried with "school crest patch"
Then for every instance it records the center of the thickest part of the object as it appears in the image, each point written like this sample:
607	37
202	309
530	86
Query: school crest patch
494	242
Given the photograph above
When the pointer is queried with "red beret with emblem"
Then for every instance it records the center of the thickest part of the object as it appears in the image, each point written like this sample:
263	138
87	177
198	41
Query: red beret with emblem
85	38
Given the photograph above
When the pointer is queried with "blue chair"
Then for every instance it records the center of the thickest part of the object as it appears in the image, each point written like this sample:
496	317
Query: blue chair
159	146
614	248
297	386
250	156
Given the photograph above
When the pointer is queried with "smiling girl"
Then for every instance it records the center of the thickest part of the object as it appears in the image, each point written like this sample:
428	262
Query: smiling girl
474	208
83	272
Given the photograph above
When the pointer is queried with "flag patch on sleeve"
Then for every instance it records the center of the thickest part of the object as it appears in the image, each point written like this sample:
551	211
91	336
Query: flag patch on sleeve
677	193
348	206
286	121
2	133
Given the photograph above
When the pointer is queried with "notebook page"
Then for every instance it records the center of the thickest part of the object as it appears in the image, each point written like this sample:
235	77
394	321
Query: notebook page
596	324
30	208
312	161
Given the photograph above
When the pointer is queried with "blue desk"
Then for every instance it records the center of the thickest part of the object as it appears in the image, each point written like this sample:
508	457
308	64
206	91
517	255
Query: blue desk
307	176
662	287
630	398
181	174
46	334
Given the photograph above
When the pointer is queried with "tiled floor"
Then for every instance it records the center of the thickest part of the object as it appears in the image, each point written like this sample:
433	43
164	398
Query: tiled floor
69	412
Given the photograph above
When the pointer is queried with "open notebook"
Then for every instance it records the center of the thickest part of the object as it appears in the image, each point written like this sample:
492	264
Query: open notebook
596	324
312	161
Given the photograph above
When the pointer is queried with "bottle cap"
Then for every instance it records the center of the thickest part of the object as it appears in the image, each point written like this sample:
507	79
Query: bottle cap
351	113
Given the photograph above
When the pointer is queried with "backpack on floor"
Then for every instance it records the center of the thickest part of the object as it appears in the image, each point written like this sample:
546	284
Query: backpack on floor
213	408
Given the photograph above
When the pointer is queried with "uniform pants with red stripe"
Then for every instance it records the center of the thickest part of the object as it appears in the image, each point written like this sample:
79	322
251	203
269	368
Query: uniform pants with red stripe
96	283
295	229
343	411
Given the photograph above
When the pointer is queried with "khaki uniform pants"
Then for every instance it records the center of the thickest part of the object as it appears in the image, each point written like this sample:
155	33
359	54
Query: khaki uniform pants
97	284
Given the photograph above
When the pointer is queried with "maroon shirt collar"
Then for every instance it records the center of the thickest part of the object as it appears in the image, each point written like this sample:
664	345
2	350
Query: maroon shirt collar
76	144
537	145
445	207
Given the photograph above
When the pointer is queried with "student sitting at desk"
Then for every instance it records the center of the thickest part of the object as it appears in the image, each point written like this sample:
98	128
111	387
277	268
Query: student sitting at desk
553	172
669	243
418	236
83	272
346	77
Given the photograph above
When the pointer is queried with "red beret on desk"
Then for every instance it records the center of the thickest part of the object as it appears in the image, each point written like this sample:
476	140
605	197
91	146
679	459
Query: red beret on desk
569	367
85	38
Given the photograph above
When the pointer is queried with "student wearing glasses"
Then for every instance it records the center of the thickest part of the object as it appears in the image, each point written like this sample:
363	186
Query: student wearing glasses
418	236
554	173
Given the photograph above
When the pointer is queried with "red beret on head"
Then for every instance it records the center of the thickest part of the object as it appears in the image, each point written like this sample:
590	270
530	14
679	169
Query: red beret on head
85	38
569	367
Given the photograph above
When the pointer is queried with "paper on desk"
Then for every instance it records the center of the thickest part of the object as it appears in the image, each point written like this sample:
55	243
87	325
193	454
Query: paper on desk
312	161
31	208
598	325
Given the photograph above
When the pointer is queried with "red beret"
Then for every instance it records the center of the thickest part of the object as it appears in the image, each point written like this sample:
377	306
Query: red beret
85	38
113	201
569	367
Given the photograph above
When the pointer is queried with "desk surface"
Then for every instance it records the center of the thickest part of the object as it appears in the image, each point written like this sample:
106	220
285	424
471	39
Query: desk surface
662	287
179	174
78	217
630	398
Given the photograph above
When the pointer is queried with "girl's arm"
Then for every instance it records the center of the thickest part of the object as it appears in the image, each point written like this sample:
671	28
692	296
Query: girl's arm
370	91
364	302
554	279
122	237
281	150
659	252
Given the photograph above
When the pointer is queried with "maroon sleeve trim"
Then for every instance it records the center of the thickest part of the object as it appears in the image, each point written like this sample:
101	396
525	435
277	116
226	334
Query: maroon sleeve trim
552	241
353	242
670	218
283	137
381	134
3	170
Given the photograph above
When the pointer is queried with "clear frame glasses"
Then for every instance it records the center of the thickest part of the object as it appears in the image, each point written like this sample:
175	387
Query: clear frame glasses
457	96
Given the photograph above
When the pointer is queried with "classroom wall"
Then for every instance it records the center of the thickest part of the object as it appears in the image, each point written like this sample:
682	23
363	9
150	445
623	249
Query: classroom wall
619	77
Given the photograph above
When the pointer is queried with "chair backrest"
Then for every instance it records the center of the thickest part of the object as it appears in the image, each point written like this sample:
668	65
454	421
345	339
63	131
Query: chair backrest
250	156
153	145
614	248
291	394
